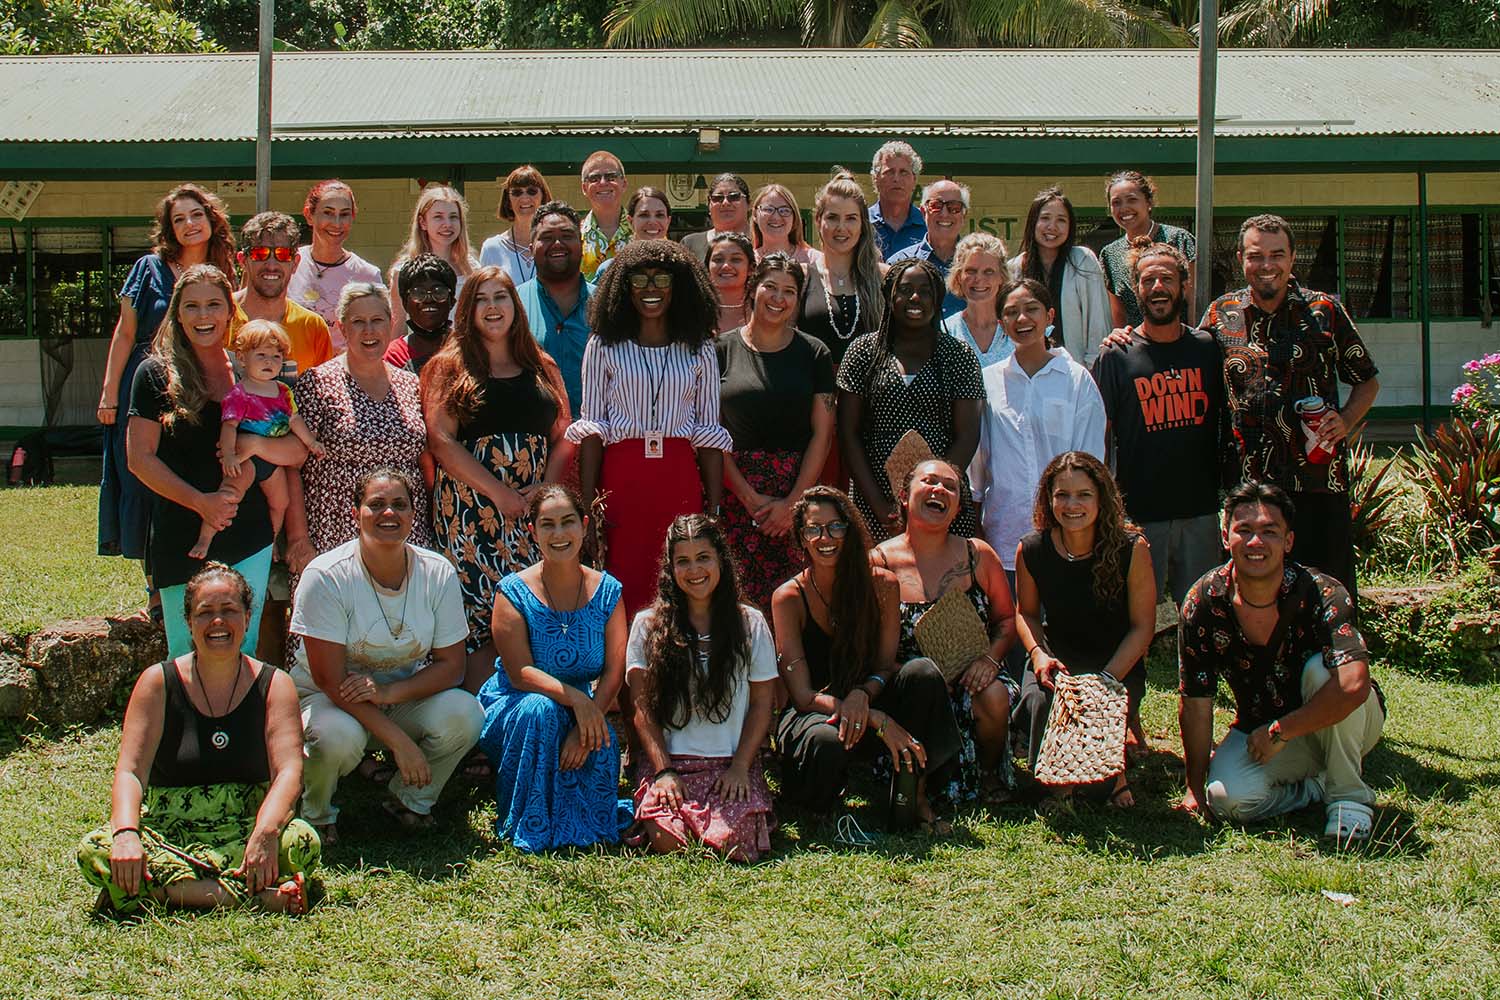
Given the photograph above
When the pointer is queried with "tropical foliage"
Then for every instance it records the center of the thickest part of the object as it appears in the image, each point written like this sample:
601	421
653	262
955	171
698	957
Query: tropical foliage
53	26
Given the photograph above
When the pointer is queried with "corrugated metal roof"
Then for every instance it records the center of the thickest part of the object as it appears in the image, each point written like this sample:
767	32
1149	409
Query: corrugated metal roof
981	92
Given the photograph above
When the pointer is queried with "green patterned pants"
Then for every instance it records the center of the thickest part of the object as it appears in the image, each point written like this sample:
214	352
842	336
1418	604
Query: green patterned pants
193	833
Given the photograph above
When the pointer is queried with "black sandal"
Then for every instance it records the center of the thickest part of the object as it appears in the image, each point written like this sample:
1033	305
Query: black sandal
1120	791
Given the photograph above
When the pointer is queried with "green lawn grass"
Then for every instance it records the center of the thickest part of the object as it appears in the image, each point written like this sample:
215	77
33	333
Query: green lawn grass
48	567
1098	904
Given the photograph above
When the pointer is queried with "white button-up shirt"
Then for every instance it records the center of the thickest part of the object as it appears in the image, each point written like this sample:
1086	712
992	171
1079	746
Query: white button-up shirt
1028	421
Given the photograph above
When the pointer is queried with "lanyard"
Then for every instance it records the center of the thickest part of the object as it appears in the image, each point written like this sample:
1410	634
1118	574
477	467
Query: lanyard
658	379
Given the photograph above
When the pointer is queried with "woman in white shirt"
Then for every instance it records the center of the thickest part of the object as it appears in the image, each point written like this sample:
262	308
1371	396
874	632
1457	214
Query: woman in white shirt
525	190
701	667
381	660
648	431
1039	404
1071	273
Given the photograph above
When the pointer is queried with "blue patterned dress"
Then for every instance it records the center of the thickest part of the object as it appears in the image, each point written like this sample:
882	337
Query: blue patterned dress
542	807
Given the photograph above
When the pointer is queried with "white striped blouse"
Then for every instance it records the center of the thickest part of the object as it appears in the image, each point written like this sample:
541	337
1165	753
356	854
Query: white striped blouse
630	391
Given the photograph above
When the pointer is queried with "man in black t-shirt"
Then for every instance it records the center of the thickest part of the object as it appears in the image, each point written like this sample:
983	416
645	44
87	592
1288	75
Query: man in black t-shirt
1306	711
1163	396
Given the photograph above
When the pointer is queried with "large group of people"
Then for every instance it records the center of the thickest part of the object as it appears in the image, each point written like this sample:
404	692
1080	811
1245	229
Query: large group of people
598	496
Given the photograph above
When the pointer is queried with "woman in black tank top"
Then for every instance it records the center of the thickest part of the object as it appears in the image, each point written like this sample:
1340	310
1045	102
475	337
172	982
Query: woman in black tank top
220	737
849	695
1086	595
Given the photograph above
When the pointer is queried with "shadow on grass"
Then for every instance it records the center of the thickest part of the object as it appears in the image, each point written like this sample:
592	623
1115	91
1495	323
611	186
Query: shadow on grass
1397	762
373	841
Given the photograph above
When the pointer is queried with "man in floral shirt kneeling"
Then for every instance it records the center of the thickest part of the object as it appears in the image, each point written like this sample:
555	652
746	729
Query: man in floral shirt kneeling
1283	636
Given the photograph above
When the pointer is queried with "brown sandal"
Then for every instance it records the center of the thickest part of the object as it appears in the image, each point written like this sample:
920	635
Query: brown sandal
408	818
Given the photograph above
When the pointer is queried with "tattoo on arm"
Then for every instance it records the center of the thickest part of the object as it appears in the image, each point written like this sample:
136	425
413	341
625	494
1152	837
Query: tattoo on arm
826	398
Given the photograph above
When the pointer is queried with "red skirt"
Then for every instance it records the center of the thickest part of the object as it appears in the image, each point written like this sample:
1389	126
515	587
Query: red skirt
643	495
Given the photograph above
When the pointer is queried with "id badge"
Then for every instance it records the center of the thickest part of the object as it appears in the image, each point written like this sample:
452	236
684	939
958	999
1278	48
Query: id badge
654	445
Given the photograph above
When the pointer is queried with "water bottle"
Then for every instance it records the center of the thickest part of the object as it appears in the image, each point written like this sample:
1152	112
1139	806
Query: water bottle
903	807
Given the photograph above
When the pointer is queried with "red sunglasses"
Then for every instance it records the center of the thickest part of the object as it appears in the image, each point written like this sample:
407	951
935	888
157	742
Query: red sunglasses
262	254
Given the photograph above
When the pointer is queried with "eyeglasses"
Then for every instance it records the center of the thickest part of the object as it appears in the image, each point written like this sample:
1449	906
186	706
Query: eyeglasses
429	294
529	191
953	207
639	280
262	254
603	177
733	197
784	211
833	529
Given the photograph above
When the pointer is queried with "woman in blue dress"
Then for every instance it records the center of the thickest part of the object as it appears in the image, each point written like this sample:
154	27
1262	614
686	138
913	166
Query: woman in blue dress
191	227
560	632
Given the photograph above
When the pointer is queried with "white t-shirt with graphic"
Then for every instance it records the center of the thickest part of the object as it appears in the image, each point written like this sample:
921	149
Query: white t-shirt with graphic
700	737
388	636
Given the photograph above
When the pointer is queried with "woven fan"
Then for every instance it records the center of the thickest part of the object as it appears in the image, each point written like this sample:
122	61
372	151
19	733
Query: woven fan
911	451
1085	738
952	634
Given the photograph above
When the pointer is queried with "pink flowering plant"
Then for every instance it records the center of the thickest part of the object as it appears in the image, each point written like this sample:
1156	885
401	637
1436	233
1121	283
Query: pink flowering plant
1479	396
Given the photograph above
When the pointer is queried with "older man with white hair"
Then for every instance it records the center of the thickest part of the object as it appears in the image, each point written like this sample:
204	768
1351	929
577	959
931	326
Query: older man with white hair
894	171
945	207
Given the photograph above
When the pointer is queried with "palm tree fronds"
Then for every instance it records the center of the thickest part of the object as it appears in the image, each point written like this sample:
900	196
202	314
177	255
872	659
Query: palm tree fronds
646	23
897	24
1273	23
1063	24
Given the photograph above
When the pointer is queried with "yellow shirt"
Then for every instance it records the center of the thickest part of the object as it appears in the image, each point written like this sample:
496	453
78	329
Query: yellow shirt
311	345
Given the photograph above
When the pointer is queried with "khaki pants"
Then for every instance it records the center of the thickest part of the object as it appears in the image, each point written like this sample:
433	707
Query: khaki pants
1324	766
444	725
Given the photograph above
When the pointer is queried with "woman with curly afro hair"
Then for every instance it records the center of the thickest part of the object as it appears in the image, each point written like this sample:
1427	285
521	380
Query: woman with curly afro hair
648	431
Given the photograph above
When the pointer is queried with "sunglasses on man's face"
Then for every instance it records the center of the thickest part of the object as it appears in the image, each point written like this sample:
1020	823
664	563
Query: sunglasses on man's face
604	177
661	279
262	254
952	207
732	197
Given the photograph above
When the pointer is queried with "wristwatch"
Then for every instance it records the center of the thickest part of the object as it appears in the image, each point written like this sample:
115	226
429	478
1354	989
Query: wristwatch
1274	731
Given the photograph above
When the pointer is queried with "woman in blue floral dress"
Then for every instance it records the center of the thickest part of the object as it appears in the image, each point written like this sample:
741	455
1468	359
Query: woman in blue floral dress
561	631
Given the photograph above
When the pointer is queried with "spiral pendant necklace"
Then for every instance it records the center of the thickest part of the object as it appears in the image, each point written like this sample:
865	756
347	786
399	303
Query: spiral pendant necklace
220	736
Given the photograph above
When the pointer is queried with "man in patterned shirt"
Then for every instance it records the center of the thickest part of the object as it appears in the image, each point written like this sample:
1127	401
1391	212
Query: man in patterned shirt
606	228
1306	710
1283	343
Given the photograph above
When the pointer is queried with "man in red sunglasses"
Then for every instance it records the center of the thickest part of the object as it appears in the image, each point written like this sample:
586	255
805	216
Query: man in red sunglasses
268	255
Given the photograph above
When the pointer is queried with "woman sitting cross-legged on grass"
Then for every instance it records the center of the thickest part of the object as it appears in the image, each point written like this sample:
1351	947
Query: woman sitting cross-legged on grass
209	769
1087	571
837	628
560	630
381	660
702	669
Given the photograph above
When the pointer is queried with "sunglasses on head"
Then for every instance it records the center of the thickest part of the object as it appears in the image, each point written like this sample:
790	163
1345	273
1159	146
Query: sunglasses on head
661	279
730	196
262	254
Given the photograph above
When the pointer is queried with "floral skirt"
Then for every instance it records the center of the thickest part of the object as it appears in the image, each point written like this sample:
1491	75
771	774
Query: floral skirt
483	544
741	831
764	562
197	832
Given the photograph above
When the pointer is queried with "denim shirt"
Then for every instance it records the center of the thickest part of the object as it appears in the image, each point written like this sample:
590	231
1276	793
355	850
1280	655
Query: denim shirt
563	337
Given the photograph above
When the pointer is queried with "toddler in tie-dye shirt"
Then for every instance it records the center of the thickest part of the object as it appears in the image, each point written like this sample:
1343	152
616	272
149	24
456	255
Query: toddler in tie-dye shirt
259	404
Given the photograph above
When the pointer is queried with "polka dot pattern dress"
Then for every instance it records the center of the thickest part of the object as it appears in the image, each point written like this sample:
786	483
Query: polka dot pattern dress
892	407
